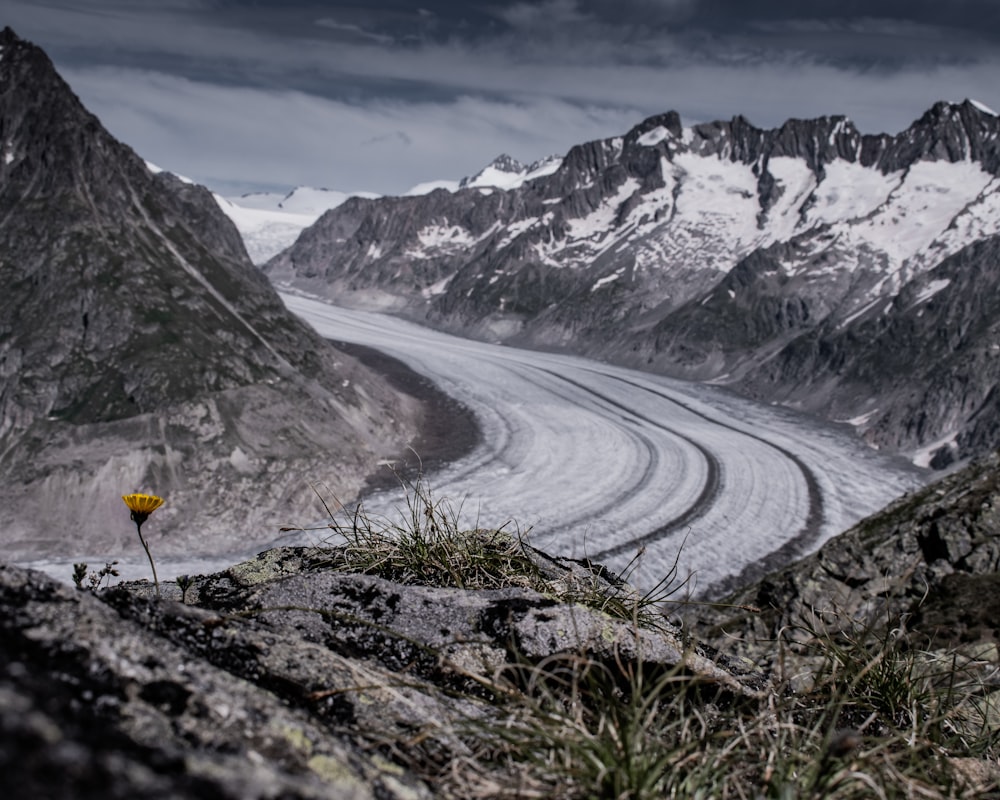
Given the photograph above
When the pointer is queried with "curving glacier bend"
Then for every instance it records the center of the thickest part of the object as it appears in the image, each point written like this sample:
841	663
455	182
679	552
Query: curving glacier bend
600	461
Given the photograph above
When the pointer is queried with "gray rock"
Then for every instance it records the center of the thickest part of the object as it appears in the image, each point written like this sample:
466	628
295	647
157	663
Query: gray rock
282	677
925	366
104	706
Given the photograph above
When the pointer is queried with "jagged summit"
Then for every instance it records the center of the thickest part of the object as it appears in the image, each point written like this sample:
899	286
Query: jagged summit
109	230
505	172
949	131
710	252
140	349
944	111
502	163
982	107
669	123
10	39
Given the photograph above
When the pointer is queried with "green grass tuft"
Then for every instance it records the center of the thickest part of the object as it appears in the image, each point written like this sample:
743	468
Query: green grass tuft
427	545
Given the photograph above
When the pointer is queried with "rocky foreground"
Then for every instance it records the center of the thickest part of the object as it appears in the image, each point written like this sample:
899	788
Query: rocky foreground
304	673
283	677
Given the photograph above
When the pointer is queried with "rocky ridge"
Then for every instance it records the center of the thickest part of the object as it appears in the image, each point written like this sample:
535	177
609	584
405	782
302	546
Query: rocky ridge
282	677
505	172
929	563
140	350
778	262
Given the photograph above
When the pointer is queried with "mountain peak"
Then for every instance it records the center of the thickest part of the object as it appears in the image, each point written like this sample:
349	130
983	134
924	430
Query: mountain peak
951	132
943	112
503	163
506	163
505	172
654	129
13	45
981	107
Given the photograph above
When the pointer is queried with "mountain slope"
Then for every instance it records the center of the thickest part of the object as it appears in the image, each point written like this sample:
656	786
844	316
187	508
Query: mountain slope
140	349
271	222
928	379
700	252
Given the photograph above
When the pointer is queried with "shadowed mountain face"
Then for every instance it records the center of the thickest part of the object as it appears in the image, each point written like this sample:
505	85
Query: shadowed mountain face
140	350
786	263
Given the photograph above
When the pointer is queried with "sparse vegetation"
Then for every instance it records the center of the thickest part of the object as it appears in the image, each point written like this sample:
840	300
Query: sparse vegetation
427	545
876	722
79	573
854	713
95	579
856	707
184	583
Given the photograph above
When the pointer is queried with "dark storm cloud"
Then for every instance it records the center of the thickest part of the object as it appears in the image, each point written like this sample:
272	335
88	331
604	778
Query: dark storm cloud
383	94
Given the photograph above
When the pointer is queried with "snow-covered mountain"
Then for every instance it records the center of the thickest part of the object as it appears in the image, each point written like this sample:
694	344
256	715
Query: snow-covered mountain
718	252
269	222
505	172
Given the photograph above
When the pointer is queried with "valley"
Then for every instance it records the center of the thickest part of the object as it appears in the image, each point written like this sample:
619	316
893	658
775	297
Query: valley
435	473
834	272
592	457
593	460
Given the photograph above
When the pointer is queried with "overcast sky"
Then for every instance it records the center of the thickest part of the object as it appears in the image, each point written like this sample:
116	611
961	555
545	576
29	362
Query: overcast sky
378	95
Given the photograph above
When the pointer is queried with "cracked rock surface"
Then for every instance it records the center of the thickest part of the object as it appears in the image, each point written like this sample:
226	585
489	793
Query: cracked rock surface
281	677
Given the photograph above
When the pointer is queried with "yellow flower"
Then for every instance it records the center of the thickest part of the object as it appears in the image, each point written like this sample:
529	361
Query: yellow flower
142	503
141	506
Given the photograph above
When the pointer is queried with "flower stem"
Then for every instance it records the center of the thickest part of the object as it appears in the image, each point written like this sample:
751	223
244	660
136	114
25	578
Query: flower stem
156	582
